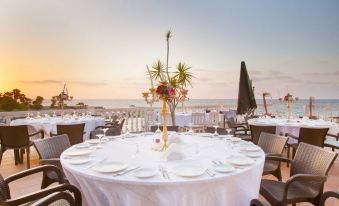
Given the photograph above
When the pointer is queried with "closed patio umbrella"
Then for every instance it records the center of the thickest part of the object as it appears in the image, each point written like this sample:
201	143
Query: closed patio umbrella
246	99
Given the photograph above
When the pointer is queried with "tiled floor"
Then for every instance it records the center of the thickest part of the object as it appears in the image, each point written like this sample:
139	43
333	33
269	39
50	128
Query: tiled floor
32	183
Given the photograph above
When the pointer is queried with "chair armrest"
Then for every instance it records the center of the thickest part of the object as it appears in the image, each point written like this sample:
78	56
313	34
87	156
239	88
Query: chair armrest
54	161
38	132
45	192
292	136
257	202
278	158
273	155
28	172
302	177
239	126
327	195
333	135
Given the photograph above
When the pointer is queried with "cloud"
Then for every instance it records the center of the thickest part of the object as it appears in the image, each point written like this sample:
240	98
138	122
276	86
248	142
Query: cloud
51	81
335	73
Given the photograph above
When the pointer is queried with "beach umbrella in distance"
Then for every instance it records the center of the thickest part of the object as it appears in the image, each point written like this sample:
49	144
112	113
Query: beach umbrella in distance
246	99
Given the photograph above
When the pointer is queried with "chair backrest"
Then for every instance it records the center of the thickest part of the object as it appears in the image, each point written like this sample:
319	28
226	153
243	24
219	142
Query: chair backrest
198	118
113	131
272	143
169	128
74	132
221	131
256	130
313	136
213	118
52	147
121	124
4	191
149	116
14	136
310	159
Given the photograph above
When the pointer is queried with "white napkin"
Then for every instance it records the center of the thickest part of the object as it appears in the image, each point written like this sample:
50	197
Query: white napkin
174	152
174	138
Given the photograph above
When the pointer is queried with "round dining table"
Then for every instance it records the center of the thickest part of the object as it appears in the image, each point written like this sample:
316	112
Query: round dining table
293	126
49	124
211	170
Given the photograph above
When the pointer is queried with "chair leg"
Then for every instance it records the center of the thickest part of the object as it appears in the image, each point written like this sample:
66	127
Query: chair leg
16	156
1	153
22	152
28	162
288	155
293	152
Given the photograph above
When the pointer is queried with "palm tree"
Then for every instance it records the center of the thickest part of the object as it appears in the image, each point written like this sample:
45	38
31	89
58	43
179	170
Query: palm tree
183	75
168	36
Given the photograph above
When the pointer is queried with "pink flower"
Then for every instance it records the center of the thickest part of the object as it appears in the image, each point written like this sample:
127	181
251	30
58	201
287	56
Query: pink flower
171	91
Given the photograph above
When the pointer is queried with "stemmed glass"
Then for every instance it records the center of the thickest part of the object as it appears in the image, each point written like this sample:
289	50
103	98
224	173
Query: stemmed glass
100	136
158	130
190	131
104	130
216	130
229	131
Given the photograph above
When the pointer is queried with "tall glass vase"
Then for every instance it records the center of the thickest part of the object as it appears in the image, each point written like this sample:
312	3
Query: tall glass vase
164	125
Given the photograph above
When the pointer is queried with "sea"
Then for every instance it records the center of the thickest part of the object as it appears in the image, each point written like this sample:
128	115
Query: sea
322	107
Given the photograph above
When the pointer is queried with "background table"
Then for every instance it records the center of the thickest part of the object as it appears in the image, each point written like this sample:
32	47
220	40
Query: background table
48	124
235	188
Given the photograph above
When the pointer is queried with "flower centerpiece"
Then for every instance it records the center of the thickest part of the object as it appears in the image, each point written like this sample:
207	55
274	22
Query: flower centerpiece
171	87
289	99
62	97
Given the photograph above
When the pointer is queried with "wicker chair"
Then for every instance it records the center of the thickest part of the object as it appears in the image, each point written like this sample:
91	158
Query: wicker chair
49	151
257	202
17	138
273	145
220	131
169	128
313	136
75	132
198	122
256	130
112	131
48	196
327	195
239	129
332	143
308	174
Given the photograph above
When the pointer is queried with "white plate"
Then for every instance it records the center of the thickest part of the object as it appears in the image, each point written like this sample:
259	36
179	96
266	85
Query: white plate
108	167
82	145
206	134
223	168
93	141
79	160
250	149
78	152
254	154
241	161
189	170
148	133
145	173
235	139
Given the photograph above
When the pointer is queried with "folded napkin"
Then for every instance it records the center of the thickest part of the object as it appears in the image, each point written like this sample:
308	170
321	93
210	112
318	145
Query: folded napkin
174	152
174	138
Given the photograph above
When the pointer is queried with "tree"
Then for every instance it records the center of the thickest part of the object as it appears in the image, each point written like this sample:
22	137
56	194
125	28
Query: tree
37	103
53	101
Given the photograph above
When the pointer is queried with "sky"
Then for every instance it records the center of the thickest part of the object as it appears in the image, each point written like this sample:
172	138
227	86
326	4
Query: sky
101	48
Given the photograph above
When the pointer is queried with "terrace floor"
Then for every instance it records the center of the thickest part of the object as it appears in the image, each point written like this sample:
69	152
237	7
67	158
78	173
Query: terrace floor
32	183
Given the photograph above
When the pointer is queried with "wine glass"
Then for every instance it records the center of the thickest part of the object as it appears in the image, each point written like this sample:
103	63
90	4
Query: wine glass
229	131
104	130
216	130
190	126
100	136
158	130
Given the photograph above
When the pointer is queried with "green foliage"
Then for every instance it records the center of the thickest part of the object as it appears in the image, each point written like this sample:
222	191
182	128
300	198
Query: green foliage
15	100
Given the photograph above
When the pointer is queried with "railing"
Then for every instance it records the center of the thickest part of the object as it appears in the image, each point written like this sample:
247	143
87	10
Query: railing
135	118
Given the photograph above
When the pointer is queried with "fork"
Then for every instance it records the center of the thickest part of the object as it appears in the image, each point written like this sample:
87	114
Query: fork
166	173
162	171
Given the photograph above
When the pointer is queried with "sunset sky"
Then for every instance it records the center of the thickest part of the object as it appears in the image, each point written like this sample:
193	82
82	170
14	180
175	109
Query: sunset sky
100	48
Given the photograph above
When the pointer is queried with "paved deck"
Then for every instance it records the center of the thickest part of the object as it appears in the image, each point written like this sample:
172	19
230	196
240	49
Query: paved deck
32	183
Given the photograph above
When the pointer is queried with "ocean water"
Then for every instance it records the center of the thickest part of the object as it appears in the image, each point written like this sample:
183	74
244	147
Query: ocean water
322	107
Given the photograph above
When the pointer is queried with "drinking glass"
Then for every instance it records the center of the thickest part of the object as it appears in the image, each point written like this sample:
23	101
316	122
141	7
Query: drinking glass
100	136
216	130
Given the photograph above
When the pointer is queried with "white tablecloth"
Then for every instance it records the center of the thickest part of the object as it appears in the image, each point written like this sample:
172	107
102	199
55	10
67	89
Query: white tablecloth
292	127
49	124
235	188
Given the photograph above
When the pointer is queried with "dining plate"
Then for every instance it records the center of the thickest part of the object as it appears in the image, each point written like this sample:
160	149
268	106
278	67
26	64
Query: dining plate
223	168
77	152
206	134
79	160
250	149
93	141
254	154
189	170
148	133
82	145
145	173
235	139
241	161
108	167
